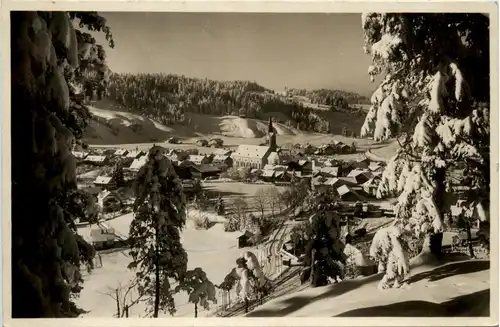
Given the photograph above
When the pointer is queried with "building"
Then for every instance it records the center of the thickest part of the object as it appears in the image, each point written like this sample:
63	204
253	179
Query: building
361	176
121	152
244	240
256	156
79	155
198	159
135	154
97	160
138	163
371	186
215	143
220	159
205	170
348	194
105	182
202	142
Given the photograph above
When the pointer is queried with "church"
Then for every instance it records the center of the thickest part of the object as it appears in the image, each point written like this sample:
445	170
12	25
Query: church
257	156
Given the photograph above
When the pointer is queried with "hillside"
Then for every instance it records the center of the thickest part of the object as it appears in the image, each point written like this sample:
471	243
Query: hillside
455	289
113	124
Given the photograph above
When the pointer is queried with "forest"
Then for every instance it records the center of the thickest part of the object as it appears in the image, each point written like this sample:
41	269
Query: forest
167	97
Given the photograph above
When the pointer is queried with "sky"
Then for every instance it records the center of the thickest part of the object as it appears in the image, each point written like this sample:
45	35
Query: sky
275	50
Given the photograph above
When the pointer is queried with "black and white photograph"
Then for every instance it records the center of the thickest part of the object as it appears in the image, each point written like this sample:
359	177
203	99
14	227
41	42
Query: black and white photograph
169	164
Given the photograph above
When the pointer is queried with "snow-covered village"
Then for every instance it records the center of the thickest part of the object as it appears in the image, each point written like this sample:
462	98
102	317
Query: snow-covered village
248	165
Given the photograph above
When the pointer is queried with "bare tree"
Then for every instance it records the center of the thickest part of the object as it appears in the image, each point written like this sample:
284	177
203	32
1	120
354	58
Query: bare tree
126	296
260	200
239	206
273	197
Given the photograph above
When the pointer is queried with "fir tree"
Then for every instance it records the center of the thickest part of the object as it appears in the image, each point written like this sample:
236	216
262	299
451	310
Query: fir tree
200	289
435	97
46	251
219	206
157	252
324	252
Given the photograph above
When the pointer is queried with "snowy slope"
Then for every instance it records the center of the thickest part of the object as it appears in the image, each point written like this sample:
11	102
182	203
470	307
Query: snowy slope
453	289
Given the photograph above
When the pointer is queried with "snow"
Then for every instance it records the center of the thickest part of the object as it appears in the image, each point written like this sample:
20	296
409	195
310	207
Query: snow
213	250
466	281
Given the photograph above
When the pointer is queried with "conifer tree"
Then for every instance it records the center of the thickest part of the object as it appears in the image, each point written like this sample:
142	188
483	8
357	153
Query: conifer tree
200	289
159	216
324	252
434	96
46	251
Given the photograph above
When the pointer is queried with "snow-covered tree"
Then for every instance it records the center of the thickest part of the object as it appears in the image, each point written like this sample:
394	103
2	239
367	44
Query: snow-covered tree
159	216
324	252
46	251
200	289
219	206
434	96
388	249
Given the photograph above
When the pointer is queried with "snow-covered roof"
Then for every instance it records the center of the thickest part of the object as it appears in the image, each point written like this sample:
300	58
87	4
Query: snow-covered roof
134	153
251	151
79	154
302	162
220	157
344	189
96	158
357	172
196	158
267	173
205	168
120	152
138	163
269	167
103	180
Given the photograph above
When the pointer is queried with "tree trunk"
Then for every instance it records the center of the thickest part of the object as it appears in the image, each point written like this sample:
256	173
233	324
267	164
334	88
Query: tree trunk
469	240
157	275
118	313
196	310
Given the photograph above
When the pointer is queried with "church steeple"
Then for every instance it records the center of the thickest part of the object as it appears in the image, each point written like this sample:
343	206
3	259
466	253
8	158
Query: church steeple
272	135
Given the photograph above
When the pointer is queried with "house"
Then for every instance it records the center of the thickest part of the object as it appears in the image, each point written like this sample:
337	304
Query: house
309	149
267	175
121	152
326	172
223	159
360	164
102	238
138	163
327	150
371	186
108	152
79	155
360	175
183	172
375	167
97	160
204	170
198	159
215	143
106	182
135	154
255	156
224	152
244	240
190	186
346	193
202	142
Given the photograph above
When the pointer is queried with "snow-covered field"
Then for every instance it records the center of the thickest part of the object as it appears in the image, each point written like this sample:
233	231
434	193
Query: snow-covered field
213	250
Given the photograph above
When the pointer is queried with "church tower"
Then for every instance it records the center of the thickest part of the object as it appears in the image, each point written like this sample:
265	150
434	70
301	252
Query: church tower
272	136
